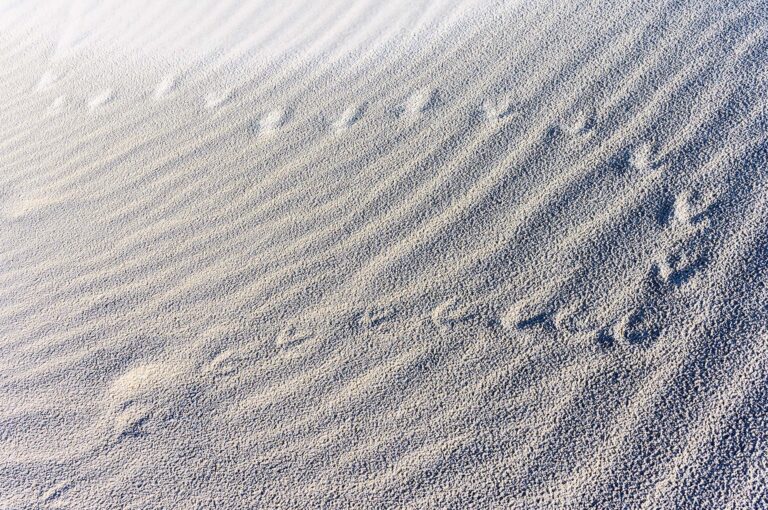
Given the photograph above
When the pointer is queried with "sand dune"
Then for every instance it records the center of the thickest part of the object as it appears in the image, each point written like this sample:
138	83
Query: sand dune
407	254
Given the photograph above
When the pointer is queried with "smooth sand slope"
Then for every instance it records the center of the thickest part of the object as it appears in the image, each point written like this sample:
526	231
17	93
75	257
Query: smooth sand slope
409	254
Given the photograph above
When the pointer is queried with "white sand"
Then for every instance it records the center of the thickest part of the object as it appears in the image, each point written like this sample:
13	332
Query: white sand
410	254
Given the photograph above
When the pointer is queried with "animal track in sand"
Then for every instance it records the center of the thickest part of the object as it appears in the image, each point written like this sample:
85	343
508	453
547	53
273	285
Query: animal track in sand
55	492
679	267
636	327
165	86
374	316
57	106
418	103
214	99
349	117
498	110
571	318
526	314
581	124
292	337
691	208
222	365
270	122
131	423
687	217
642	159
451	312
102	98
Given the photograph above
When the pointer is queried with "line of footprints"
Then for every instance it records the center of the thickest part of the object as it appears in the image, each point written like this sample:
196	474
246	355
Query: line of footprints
638	318
414	105
494	111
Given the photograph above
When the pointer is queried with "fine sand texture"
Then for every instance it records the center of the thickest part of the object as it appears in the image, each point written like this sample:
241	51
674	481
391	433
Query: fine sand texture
362	254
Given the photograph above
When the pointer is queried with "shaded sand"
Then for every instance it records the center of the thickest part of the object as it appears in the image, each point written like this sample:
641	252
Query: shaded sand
368	254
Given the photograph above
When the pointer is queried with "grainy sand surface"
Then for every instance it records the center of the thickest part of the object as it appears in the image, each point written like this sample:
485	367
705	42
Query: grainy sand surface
364	254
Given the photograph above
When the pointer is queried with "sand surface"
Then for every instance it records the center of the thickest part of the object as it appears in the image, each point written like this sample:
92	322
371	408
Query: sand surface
365	254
